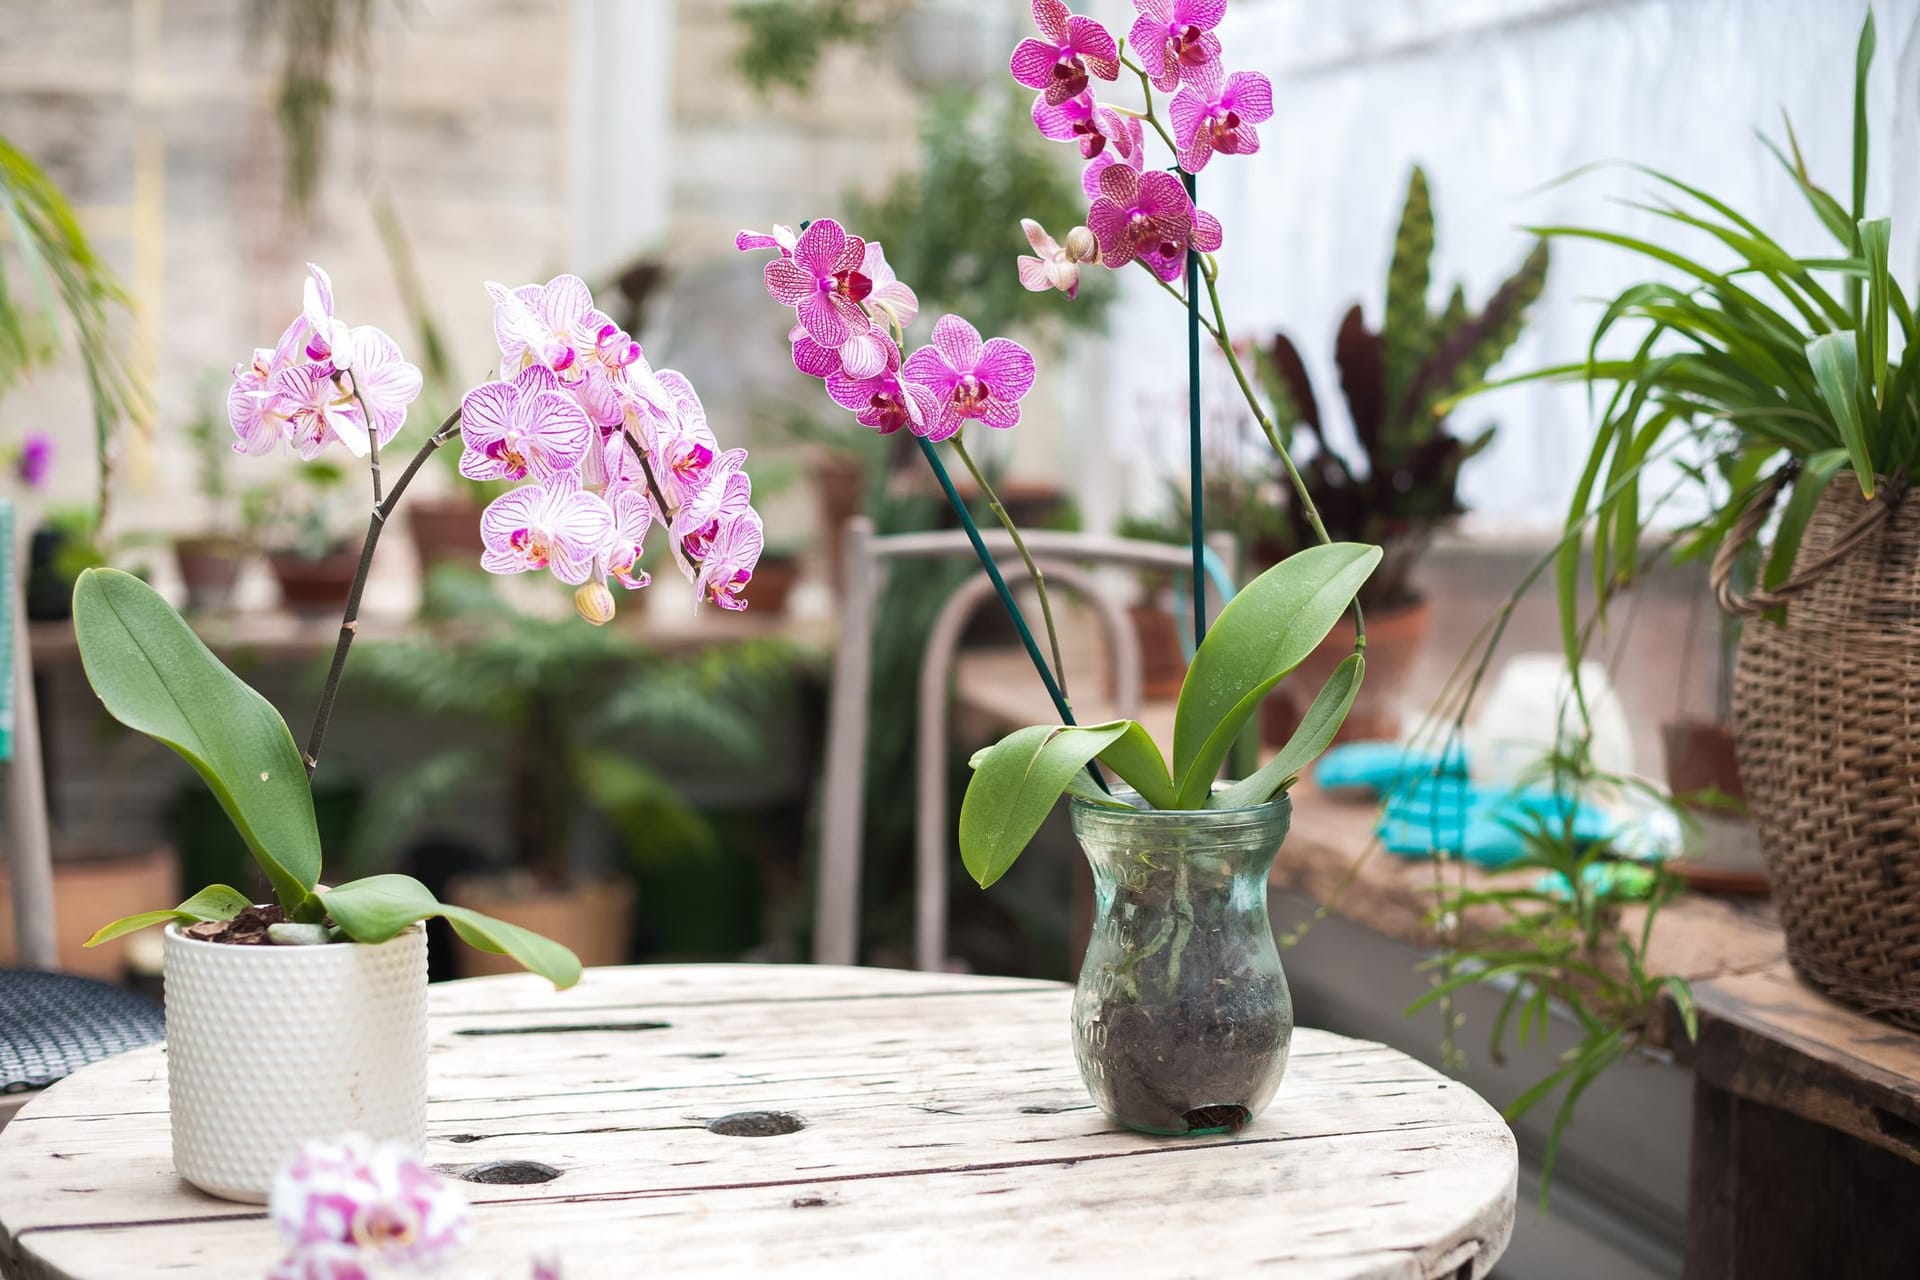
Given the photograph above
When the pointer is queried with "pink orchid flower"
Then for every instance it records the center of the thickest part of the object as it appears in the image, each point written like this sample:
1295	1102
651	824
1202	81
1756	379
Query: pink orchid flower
549	324
316	411
890	304
1083	120
256	433
1206	237
972	380
782	238
1073	45
1142	215
1173	38
687	457
1213	113
525	429
556	525
632	517
885	401
323	1260
323	335
727	497
731	556
1056	267
385	381
1133	155
381	1199
823	283
812	359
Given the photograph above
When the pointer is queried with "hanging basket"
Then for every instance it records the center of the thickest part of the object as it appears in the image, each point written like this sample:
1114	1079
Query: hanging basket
1826	710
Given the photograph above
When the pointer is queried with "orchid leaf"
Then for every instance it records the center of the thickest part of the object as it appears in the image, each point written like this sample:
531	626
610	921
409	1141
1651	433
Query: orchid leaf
1137	759
1265	631
1314	735
379	907
215	902
153	674
1016	782
1835	358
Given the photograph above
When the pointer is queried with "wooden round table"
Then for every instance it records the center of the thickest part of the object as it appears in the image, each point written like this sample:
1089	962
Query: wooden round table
769	1120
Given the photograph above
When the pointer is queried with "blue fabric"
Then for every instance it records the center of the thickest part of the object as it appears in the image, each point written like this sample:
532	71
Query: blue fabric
1427	812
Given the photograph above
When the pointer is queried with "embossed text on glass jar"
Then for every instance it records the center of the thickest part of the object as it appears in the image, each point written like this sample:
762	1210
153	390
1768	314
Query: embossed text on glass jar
1181	1016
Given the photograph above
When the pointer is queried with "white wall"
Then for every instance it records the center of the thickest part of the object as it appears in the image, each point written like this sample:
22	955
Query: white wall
1497	98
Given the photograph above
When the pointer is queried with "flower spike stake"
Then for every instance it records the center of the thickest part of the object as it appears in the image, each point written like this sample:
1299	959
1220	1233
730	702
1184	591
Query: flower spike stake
1195	482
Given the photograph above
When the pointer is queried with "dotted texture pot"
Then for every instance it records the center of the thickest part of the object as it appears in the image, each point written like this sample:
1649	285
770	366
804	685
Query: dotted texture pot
1181	1017
269	1048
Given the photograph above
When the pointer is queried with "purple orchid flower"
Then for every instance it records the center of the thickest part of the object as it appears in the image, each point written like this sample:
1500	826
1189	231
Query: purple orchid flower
35	461
1056	267
324	1260
525	429
726	498
782	238
385	381
1205	237
556	526
890	304
1140	214
1173	38
382	1199
972	380
1083	120
1073	45
1133	155
323	335
885	401
549	324
316	411
812	359
632	517
823	283
731	556
1216	112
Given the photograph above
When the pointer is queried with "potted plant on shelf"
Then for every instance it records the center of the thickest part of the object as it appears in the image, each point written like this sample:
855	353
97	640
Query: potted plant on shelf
1182	1019
302	522
1782	375
1404	485
210	561
540	687
306	1016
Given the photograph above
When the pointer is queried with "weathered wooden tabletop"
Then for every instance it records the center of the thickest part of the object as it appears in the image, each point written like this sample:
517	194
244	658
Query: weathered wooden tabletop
941	1120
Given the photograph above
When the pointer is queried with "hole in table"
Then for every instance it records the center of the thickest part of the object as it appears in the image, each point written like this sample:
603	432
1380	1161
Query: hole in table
756	1124
1227	1117
564	1028
510	1173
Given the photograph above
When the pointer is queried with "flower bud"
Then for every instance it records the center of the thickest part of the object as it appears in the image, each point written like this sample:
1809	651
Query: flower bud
1082	246
594	603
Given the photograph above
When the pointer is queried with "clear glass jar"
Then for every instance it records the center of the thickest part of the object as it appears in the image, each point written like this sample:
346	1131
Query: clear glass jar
1181	1017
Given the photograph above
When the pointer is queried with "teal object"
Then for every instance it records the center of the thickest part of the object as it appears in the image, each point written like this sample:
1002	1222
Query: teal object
1382	767
1613	881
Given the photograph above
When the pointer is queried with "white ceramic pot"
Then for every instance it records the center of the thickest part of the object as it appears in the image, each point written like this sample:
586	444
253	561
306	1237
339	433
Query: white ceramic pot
269	1048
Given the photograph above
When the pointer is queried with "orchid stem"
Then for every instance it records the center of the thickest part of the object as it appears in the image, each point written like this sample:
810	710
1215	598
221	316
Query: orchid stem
1146	87
1012	607
1196	482
1033	570
350	620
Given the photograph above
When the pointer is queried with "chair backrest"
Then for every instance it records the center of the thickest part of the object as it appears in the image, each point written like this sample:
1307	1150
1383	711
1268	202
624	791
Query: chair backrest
837	908
29	846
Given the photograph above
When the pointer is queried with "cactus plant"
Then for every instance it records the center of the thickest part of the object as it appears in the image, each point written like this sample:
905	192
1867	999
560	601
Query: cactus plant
1394	381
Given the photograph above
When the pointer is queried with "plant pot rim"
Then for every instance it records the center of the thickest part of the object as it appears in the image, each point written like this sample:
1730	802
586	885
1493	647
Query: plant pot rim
173	933
1281	803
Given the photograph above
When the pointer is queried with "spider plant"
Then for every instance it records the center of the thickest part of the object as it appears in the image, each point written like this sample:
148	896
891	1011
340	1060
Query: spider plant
1767	357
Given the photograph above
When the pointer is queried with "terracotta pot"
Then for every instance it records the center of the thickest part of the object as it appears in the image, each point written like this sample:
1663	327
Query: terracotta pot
1394	640
89	890
773	582
1700	757
1163	664
1722	848
270	1048
445	531
841	481
209	567
594	918
315	586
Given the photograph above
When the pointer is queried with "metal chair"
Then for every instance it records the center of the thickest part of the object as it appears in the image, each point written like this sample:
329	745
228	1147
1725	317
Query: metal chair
1060	557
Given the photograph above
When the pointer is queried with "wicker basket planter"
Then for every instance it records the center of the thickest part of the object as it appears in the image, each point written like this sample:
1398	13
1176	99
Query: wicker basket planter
1826	704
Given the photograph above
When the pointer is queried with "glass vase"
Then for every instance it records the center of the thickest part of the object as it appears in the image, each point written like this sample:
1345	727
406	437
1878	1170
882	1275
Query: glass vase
1181	1016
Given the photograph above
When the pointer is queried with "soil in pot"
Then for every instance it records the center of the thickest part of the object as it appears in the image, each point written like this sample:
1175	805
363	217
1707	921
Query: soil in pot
1395	638
445	531
209	567
314	586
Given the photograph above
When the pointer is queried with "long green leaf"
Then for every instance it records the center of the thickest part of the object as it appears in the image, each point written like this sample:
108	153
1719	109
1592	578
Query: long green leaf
1315	735
1815	475
215	902
1136	758
1836	367
153	674
1876	235
1265	631
1015	784
1406	332
1862	64
379	907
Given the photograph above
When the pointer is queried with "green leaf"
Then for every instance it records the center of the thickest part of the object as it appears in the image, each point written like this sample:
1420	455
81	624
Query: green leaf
1264	632
1862	63
1682	996
1137	759
1315	734
1875	237
1814	477
153	674
1016	783
379	907
1406	328
1836	367
215	902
